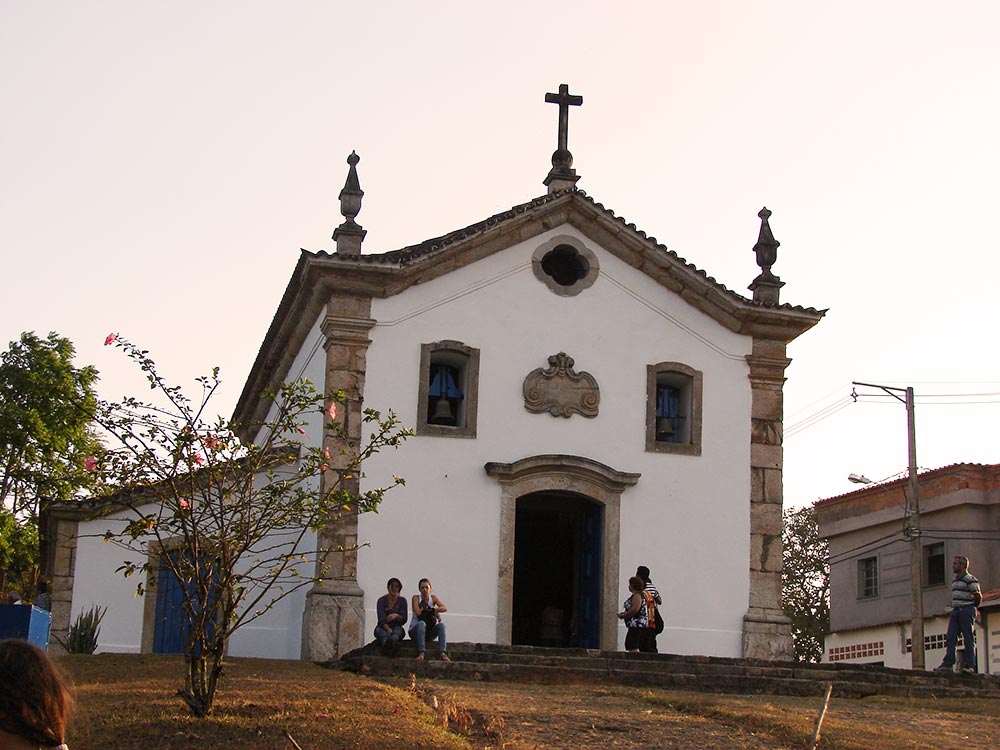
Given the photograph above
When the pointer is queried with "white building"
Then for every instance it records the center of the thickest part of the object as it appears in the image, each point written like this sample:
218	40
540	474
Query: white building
871	587
585	401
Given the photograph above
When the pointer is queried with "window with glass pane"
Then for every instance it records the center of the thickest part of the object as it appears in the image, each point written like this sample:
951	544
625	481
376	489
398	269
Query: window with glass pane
868	578
934	564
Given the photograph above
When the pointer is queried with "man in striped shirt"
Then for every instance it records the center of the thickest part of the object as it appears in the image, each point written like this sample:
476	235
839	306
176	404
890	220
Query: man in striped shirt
965	597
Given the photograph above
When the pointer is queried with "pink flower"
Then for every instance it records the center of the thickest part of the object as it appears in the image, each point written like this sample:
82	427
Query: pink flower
324	467
332	410
301	431
211	442
90	464
326	452
198	459
112	337
185	504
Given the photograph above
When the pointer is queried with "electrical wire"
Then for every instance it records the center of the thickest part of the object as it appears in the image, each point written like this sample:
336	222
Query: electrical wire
829	410
843	557
818	416
890	537
839	389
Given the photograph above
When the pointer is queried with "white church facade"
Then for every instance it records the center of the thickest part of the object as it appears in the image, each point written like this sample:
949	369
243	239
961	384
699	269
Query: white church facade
584	401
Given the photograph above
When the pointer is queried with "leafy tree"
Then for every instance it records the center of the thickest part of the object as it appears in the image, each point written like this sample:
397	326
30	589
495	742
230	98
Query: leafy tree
18	554
46	410
233	522
805	579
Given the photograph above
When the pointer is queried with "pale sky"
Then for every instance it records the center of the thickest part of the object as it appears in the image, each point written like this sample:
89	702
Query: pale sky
161	164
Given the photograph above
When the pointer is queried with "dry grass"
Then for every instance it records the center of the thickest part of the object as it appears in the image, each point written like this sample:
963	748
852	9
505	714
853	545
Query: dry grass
128	701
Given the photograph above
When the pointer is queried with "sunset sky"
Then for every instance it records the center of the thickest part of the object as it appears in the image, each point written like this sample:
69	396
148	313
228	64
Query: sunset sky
161	164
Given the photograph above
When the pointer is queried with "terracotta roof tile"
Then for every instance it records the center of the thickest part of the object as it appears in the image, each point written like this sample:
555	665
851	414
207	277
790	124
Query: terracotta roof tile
407	255
921	476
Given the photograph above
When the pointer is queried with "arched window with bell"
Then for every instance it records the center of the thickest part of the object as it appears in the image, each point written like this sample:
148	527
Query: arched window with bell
673	409
449	387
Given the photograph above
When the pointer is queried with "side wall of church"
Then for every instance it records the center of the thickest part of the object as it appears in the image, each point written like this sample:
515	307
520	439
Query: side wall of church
277	634
687	518
128	624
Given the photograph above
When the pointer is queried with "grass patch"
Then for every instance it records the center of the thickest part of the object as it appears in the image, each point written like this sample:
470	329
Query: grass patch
126	701
850	724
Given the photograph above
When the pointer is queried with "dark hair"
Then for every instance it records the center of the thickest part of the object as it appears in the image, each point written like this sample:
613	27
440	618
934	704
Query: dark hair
423	580
637	583
643	572
35	699
388	584
41	587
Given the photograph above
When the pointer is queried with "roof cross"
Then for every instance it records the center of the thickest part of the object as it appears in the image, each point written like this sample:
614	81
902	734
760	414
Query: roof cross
562	175
565	100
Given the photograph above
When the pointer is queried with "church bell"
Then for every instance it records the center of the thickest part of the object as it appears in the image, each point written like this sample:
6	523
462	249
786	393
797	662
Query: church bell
664	429
443	413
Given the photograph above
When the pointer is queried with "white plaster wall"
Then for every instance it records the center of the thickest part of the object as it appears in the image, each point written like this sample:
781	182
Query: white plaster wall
687	518
95	582
309	364
277	634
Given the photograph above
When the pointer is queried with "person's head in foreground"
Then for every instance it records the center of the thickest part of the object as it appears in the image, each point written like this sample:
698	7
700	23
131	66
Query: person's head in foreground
34	699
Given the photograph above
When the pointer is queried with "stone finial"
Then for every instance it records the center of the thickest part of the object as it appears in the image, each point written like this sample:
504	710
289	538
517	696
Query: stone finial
766	288
349	235
562	175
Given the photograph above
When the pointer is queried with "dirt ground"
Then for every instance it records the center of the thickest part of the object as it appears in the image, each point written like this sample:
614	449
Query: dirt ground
532	717
125	701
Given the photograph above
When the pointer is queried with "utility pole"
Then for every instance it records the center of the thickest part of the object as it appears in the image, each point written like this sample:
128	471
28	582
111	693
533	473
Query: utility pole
912	528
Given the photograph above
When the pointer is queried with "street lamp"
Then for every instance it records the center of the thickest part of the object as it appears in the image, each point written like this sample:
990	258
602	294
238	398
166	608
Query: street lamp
912	528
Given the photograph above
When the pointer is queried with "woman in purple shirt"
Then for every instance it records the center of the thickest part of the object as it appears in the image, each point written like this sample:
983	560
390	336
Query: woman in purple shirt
392	615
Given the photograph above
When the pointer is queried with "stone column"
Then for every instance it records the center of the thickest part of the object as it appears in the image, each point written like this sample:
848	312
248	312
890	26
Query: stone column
767	632
334	618
62	540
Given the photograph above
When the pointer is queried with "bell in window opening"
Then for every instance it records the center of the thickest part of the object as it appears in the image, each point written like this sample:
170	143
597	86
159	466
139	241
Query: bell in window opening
444	395
669	418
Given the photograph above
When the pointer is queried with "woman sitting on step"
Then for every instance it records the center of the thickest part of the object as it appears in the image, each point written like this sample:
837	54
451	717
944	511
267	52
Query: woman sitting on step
427	625
391	612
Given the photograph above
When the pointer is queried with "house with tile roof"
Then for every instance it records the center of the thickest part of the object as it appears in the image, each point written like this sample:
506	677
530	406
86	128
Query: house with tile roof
870	574
584	401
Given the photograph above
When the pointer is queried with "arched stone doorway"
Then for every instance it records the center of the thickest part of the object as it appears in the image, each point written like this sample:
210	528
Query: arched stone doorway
575	484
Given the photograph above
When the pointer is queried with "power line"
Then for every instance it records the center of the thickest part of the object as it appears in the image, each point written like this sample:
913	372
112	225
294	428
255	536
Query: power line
819	416
881	398
890	537
839	389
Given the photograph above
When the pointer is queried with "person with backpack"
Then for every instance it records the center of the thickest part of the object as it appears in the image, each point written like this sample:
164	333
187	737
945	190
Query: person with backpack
643	572
636	612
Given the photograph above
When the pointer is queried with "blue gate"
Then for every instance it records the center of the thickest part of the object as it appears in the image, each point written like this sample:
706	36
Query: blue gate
171	629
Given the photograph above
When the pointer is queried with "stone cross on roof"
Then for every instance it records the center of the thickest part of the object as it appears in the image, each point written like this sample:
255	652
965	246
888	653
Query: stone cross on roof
562	175
565	100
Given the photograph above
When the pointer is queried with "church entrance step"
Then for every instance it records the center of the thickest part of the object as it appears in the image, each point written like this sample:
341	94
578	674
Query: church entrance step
491	662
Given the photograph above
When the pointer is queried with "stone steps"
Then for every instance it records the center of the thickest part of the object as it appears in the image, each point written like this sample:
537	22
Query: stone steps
549	666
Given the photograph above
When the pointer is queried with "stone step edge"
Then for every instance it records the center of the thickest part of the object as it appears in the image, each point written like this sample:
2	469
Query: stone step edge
741	684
